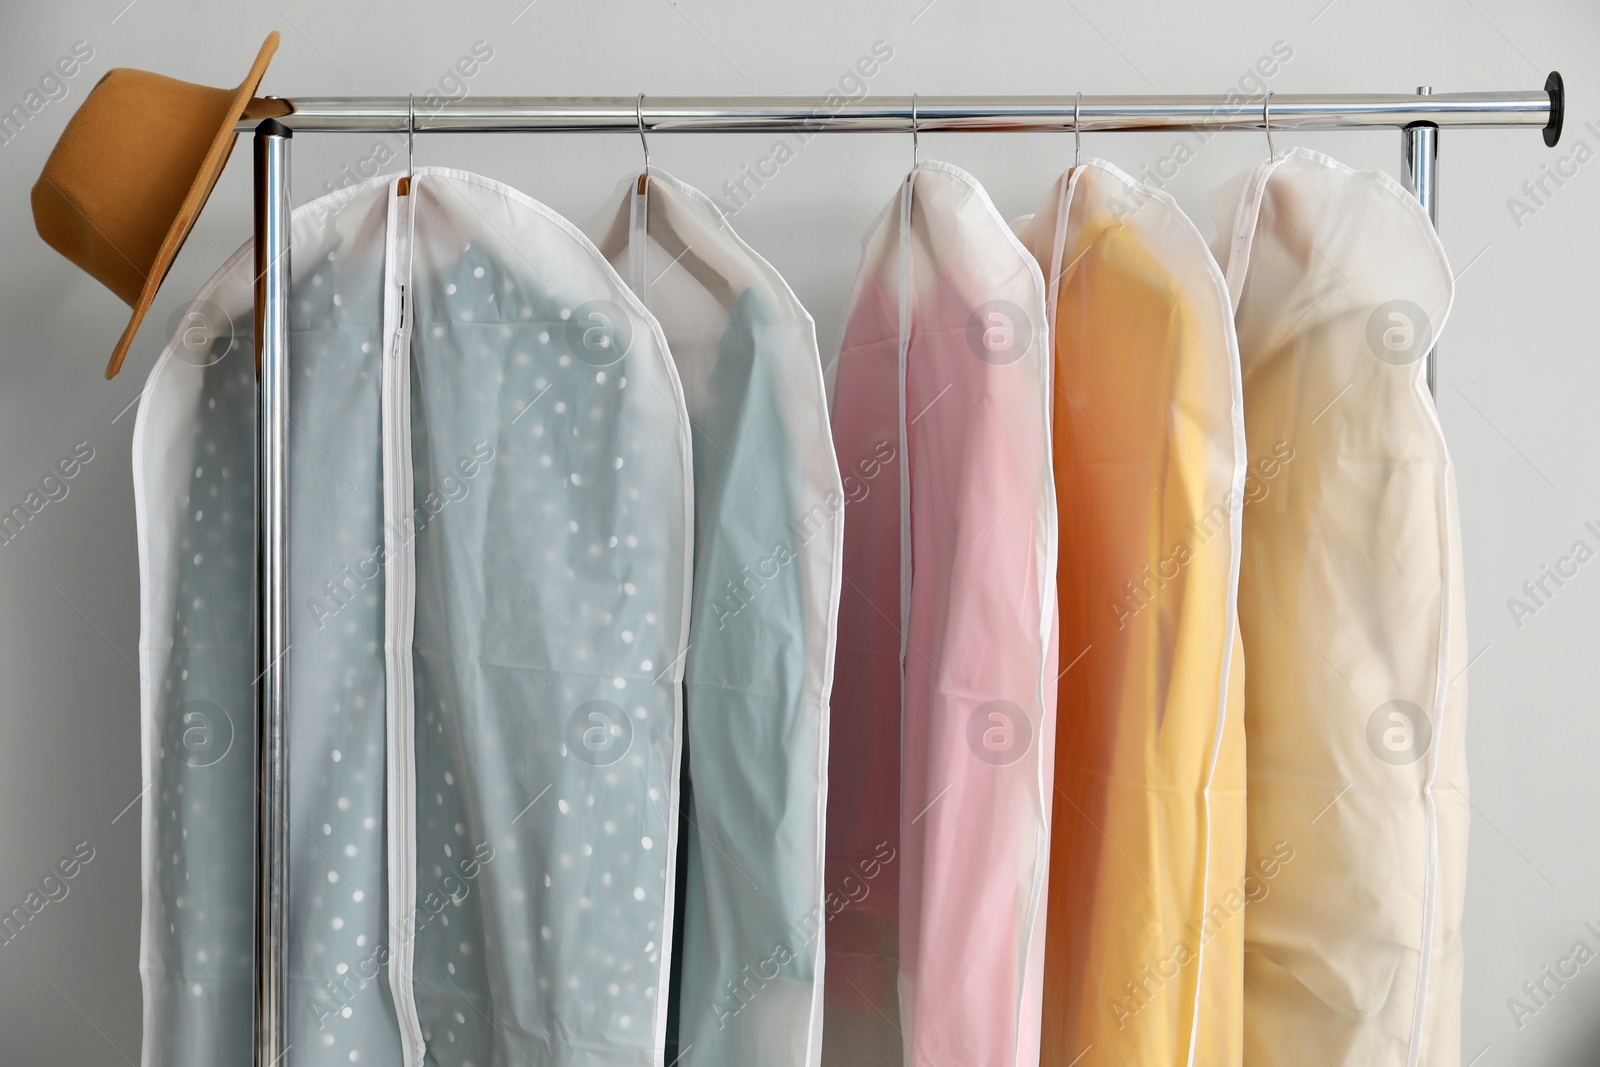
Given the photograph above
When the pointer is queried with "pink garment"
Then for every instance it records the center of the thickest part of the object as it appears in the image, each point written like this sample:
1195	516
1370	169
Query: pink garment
942	726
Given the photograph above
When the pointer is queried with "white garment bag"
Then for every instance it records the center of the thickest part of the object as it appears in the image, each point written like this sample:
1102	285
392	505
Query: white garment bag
545	547
489	526
194	471
943	728
1353	616
1147	865
769	517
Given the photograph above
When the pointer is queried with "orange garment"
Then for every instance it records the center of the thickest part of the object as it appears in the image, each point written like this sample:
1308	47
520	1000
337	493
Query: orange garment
1143	958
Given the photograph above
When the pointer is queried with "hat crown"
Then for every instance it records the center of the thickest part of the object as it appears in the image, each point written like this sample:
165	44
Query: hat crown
133	168
115	183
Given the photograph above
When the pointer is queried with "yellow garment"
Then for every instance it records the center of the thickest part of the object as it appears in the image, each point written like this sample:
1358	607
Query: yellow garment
1354	621
1143	960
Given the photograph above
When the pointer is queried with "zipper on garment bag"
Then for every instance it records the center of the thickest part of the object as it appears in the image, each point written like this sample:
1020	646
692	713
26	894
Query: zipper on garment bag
399	622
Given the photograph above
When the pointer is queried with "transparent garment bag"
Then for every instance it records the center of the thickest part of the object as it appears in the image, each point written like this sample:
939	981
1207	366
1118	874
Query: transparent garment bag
544	544
1148	879
194	487
943	708
1354	622
769	513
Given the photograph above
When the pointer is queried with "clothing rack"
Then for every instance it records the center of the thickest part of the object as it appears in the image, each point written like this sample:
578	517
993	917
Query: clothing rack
1418	116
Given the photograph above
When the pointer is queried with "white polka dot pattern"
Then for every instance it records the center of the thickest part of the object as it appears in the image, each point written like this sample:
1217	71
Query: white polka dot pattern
552	506
545	741
194	469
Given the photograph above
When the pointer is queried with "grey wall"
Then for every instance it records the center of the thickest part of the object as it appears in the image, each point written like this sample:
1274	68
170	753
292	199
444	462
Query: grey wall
1517	392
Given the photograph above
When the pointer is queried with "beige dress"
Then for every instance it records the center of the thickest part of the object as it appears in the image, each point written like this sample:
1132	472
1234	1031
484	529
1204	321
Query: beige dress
1353	616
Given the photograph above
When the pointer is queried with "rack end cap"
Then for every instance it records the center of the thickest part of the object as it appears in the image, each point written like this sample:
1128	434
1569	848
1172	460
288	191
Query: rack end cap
274	128
1558	108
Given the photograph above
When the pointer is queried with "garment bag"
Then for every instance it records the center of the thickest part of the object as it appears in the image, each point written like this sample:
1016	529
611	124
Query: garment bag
1353	619
769	515
1147	866
943	711
194	477
539	539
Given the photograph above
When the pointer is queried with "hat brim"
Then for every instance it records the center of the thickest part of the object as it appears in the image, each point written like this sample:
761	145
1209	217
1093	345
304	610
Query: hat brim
205	179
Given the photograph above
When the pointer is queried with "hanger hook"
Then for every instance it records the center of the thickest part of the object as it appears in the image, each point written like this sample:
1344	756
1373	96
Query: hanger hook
1077	131
411	133
1266	122
915	158
638	111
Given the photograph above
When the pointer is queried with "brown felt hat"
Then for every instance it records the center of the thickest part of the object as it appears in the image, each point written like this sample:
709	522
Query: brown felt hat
133	168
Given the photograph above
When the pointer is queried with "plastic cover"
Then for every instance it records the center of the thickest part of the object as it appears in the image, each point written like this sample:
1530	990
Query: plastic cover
1147	869
943	711
548	527
488	481
1354	622
194	471
769	517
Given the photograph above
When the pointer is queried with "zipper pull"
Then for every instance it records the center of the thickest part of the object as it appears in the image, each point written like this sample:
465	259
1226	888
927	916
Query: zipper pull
400	327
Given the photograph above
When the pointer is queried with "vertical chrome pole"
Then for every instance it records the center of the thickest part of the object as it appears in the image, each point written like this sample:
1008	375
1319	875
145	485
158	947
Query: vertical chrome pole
272	590
1419	163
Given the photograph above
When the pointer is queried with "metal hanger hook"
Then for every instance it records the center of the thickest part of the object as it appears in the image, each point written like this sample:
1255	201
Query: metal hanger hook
1266	122
411	134
915	153
638	111
1077	131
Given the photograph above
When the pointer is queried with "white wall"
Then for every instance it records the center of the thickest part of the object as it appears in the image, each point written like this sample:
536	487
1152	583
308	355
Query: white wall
1518	376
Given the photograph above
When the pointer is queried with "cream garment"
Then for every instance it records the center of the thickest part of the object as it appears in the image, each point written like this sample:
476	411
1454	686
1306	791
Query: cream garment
1353	618
1148	879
